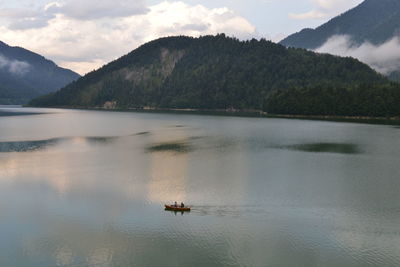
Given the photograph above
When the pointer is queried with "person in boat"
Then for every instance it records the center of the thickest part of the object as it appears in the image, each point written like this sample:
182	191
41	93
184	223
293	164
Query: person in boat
175	204
182	205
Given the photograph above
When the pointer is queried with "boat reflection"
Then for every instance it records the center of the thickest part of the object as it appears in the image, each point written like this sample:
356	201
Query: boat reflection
175	212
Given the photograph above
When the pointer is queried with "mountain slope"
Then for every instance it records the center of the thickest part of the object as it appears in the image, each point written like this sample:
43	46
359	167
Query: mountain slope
25	75
211	72
375	21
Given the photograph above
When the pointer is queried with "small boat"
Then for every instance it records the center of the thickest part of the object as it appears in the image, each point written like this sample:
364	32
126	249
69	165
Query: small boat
173	208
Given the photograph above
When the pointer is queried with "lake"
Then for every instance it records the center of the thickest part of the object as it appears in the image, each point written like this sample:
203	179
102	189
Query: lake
88	188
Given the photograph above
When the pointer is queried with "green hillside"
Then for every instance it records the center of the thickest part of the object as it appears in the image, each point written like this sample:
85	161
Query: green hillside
211	72
325	100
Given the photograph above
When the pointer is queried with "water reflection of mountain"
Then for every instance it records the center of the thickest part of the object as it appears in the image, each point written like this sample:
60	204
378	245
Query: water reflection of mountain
7	113
23	146
339	148
32	145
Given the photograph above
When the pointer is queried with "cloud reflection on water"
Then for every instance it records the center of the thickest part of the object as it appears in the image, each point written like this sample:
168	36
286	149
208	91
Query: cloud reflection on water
168	169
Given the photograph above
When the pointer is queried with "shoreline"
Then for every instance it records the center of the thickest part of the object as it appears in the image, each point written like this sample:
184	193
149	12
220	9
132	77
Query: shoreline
244	113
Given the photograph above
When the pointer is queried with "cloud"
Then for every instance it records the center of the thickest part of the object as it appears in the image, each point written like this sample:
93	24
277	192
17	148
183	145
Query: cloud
171	18
24	18
326	9
18	13
30	18
84	45
384	58
313	14
15	67
329	4
95	9
28	23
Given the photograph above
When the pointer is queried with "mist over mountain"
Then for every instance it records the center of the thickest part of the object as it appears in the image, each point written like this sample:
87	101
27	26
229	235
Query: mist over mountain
373	21
369	32
25	75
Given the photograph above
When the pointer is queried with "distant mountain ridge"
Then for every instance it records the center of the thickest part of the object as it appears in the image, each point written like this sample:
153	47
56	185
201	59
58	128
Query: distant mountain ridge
374	21
25	75
210	72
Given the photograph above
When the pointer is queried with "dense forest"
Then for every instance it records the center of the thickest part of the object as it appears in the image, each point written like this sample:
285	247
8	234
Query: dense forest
218	72
379	100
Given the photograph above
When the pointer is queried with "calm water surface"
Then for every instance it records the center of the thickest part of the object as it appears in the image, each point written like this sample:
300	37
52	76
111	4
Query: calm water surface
87	188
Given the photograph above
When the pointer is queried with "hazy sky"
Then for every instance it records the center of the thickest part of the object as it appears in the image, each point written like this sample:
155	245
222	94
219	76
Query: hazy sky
84	34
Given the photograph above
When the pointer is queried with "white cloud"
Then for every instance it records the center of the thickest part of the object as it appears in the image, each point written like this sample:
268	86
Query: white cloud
15	67
384	58
24	18
171	18
329	4
313	14
18	13
326	9
84	45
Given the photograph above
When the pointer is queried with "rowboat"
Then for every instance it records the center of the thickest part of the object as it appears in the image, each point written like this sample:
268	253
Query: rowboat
173	208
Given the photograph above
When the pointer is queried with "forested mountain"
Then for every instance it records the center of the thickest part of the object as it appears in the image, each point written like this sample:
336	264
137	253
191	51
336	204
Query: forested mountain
25	75
373	100
375	21
210	72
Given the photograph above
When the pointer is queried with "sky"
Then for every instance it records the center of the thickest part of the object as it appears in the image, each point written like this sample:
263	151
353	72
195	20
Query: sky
83	35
